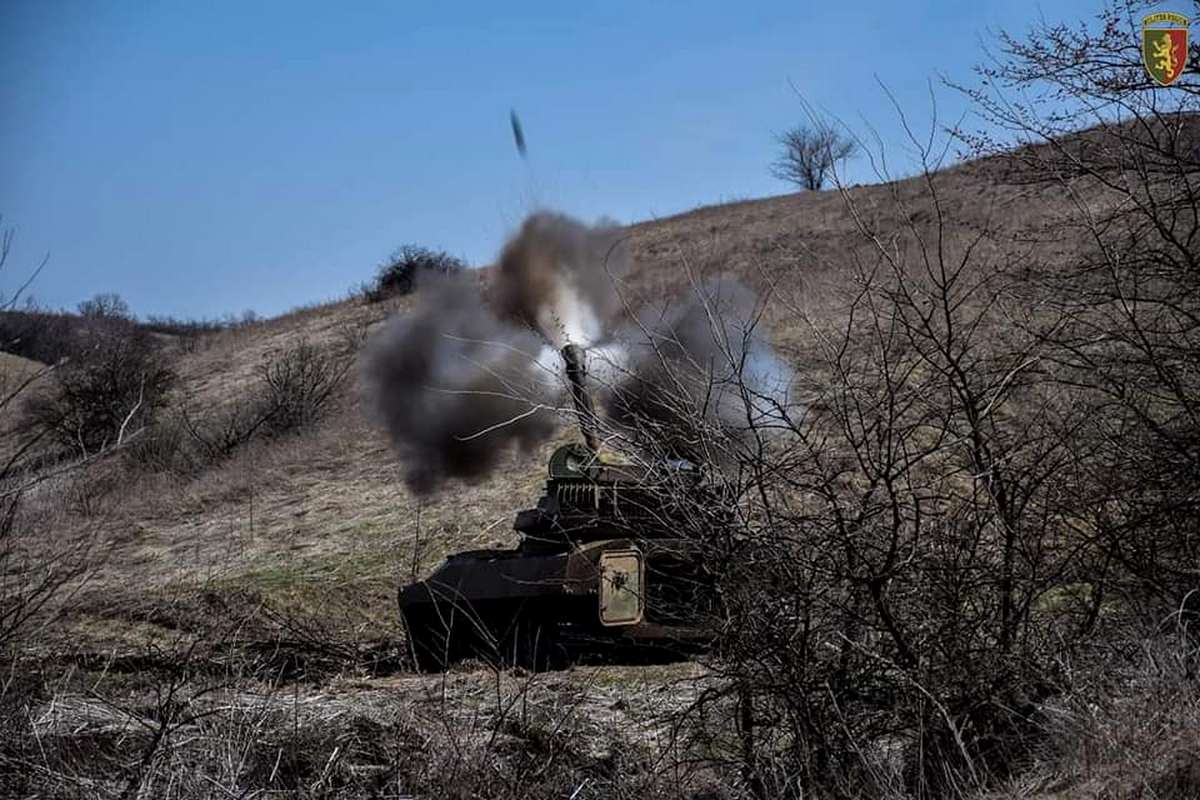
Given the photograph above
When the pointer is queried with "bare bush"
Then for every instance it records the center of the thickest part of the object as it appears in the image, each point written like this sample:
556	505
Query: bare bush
296	389
105	393
298	386
881	630
40	335
205	717
188	333
28	582
1123	317
173	326
995	483
1133	734
106	305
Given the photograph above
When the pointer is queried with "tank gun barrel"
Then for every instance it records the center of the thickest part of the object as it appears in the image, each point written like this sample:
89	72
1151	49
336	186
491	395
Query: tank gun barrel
573	355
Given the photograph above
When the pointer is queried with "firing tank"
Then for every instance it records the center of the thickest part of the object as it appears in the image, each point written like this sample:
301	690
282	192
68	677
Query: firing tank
601	569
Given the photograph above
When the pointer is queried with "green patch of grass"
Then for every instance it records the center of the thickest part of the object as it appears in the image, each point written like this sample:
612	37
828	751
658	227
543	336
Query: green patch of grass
616	676
301	572
1075	597
353	594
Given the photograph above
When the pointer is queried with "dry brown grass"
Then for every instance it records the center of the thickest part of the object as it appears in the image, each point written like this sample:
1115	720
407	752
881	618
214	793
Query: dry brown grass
18	378
584	733
15	368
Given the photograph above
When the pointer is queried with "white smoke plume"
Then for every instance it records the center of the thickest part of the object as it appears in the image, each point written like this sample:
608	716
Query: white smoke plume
558	276
696	366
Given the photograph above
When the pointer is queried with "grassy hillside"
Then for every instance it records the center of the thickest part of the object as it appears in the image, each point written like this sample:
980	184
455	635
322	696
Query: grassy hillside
321	522
300	539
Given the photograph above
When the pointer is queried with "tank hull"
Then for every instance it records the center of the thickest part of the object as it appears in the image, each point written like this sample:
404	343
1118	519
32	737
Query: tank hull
541	610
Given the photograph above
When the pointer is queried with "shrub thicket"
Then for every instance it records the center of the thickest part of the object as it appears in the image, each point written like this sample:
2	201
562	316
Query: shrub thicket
298	385
990	509
401	272
44	336
295	390
104	392
106	305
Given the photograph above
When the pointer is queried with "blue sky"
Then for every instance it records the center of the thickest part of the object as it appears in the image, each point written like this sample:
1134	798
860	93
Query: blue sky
203	158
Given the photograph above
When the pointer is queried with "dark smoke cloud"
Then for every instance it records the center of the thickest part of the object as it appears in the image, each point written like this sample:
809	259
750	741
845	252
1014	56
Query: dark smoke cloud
460	380
696	367
455	386
557	276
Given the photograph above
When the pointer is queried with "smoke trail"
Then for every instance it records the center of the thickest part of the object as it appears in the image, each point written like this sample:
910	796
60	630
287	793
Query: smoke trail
455	386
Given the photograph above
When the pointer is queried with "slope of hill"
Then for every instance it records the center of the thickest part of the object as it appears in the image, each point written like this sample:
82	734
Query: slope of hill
303	539
322	522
